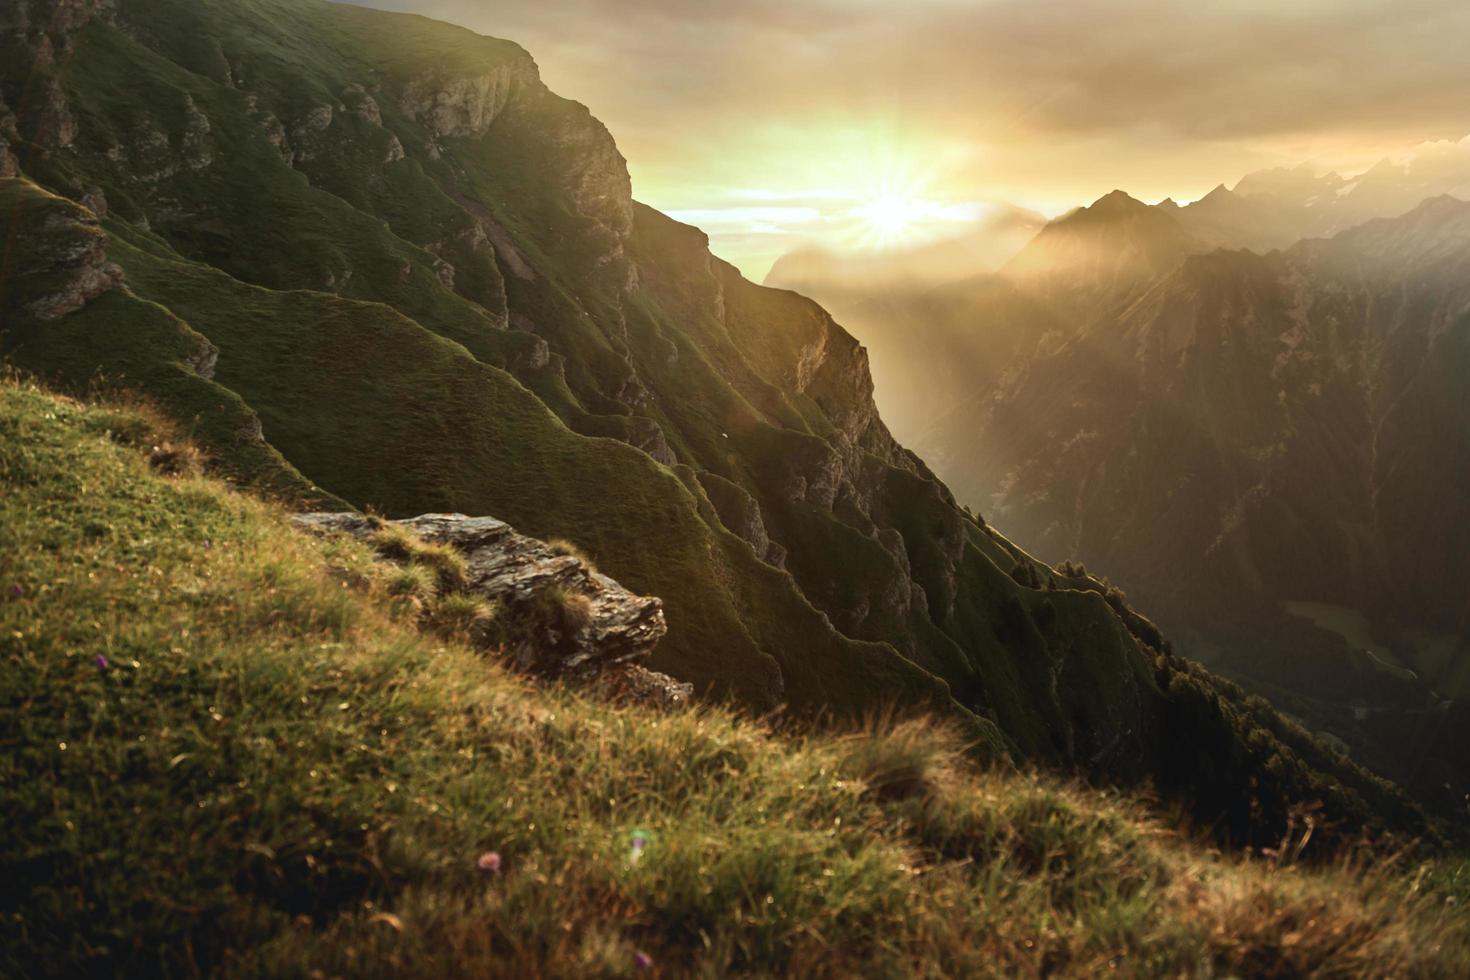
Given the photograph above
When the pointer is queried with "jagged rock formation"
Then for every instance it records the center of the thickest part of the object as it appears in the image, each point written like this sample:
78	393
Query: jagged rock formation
58	252
606	649
429	288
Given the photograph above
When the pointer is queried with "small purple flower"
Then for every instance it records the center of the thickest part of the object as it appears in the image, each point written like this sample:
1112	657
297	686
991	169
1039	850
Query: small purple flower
489	862
102	663
17	590
642	960
638	842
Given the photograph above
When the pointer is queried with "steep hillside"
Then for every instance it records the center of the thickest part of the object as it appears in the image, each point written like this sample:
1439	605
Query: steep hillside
372	260
230	752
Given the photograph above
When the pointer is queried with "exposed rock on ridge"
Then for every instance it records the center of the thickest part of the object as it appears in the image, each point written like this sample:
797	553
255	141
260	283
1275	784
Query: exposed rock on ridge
516	571
60	261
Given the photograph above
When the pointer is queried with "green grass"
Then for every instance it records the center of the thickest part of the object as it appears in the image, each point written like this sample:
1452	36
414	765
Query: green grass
120	340
463	617
450	572
270	773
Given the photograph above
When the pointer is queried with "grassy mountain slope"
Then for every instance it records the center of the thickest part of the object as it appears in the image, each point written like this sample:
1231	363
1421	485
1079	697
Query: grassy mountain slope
424	276
227	753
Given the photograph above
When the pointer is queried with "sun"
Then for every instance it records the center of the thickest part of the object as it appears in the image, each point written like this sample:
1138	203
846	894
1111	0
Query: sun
891	217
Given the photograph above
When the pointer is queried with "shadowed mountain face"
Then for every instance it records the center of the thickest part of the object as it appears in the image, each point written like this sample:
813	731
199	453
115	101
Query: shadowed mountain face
1305	396
376	262
1259	447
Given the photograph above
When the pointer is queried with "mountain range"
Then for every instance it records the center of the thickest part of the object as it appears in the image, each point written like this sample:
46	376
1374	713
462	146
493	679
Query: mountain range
1261	435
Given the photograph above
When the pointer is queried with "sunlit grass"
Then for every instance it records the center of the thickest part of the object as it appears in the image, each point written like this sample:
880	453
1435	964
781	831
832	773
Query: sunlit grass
227	752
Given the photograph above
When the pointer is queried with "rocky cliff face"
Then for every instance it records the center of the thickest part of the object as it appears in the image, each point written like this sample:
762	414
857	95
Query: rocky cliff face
426	276
59	262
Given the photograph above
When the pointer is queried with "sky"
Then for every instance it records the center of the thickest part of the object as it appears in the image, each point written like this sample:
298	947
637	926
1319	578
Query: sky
864	124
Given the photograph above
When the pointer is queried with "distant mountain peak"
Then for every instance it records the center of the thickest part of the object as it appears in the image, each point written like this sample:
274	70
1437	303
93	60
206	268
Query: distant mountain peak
1115	244
1116	202
1442	204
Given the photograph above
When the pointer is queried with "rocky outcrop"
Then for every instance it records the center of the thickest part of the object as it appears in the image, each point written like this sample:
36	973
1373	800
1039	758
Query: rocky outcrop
466	105
603	644
741	513
78	266
61	261
453	104
40	34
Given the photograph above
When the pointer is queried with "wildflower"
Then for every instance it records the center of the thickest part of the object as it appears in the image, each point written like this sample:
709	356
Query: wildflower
102	663
638	840
17	590
489	862
642	960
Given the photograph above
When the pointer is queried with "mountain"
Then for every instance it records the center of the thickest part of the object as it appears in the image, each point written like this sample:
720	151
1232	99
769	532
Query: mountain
933	344
1275	208
906	287
372	261
1234	220
1088	261
936	343
1291	430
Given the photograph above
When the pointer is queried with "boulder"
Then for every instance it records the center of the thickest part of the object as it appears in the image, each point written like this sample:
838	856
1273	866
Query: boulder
604	646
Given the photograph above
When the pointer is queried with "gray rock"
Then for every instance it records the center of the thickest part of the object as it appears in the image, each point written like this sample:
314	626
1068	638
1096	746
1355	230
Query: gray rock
62	264
204	359
516	571
635	684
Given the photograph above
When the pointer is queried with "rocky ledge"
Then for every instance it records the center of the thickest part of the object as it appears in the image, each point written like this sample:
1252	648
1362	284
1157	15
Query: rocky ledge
601	648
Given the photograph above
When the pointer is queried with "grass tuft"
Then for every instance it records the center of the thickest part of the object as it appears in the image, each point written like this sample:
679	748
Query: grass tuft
171	460
402	545
901	760
561	546
557	607
418	582
463	617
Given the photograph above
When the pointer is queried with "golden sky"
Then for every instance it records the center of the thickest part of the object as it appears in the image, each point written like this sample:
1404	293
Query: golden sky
862	123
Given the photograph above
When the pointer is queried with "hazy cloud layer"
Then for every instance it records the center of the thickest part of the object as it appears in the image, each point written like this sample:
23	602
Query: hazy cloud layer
1044	103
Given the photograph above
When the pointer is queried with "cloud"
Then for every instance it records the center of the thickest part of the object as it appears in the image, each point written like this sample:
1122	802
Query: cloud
1047	102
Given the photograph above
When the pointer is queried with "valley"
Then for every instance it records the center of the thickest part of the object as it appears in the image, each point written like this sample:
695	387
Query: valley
1254	444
